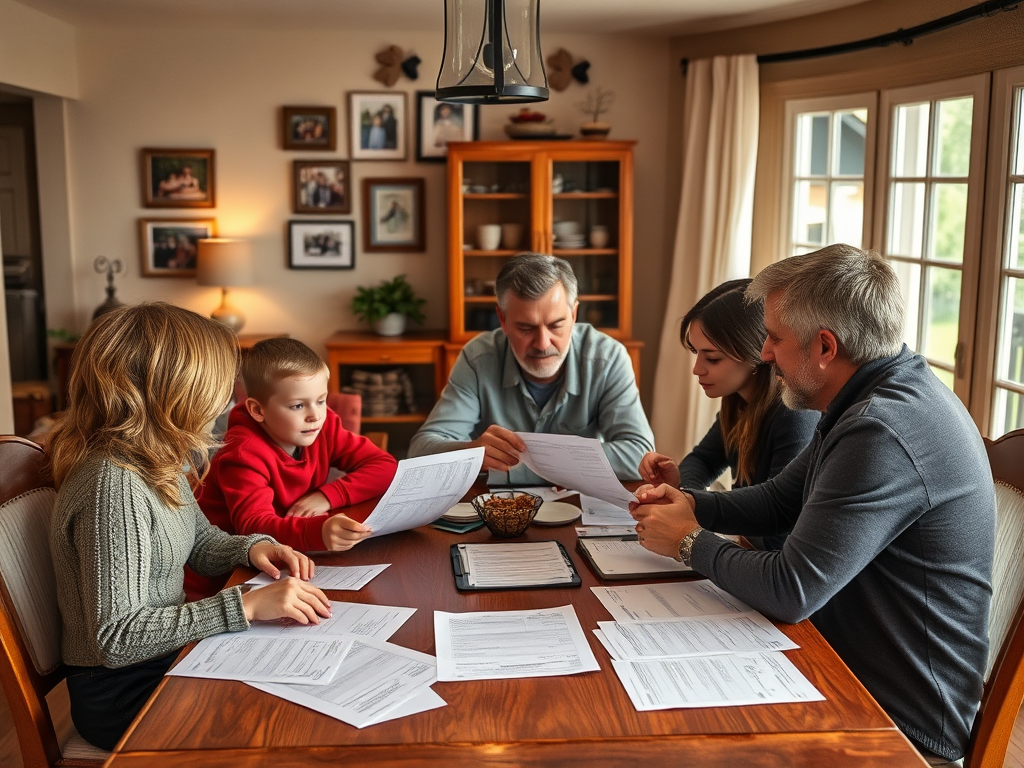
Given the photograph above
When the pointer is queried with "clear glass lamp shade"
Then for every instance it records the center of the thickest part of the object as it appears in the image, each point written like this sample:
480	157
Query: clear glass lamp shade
492	53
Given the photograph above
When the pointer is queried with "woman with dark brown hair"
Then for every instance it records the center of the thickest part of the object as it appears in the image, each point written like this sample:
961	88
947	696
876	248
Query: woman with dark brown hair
754	434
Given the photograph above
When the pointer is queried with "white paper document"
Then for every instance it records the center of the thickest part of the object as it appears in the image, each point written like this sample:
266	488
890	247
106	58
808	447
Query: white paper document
589	531
379	621
349	577
375	679
424	489
250	657
693	636
501	645
714	681
597	512
514	565
546	492
656	601
572	461
618	558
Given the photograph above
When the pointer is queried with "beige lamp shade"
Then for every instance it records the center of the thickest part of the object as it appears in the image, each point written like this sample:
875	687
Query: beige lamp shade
225	263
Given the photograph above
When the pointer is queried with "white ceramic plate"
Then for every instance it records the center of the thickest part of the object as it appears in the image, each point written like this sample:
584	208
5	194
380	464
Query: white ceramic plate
461	513
556	513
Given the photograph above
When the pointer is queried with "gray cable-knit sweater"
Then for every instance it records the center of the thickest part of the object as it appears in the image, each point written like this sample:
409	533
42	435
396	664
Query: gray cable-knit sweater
119	554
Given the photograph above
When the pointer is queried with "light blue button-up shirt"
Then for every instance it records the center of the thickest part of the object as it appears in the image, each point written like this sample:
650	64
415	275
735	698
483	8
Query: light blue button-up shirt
598	398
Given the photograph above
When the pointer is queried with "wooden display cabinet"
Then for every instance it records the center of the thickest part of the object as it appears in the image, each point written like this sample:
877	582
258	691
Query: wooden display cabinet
546	188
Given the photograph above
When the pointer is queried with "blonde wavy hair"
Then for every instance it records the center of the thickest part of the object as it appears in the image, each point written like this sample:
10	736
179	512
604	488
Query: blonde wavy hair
146	383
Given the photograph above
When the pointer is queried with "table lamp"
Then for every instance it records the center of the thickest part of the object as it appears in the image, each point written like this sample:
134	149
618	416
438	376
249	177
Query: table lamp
225	263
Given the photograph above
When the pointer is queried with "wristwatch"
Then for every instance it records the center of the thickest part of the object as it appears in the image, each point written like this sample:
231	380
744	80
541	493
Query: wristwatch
686	545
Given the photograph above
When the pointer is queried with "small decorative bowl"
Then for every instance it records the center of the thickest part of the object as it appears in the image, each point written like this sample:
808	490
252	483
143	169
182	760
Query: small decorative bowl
530	130
507	513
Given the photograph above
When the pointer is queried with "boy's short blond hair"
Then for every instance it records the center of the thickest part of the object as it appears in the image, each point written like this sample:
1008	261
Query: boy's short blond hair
271	360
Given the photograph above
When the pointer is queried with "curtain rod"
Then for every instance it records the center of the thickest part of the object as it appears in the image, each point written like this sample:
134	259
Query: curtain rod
905	36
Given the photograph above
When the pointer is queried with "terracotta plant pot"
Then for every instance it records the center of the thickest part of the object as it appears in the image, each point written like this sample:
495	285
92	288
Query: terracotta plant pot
595	130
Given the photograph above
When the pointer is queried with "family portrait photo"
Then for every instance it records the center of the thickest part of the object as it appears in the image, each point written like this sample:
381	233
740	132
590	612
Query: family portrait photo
438	122
177	178
377	126
321	186
321	245
393	215
169	246
309	128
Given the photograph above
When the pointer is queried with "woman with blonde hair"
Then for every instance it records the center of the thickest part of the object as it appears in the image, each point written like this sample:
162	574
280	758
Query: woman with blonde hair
754	434
146	383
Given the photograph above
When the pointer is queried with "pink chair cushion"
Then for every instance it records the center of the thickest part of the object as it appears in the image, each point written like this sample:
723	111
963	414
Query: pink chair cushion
349	406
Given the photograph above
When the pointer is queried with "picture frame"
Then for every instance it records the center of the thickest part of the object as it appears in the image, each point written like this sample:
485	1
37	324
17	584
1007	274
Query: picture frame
377	125
321	186
178	178
328	244
169	246
393	215
309	128
438	122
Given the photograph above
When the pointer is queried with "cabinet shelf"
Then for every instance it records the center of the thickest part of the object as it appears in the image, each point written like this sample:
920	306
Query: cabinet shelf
597	297
398	418
476	253
494	196
585	195
585	251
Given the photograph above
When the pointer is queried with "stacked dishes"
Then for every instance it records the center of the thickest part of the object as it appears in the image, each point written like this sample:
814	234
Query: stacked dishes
569	234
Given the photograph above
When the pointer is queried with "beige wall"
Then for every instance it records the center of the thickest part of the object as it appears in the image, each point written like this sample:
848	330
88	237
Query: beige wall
224	89
37	52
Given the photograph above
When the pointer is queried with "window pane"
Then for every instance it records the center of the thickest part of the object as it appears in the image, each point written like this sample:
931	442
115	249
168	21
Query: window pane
1018	162
949	221
1010	357
942	315
812	144
953	142
1015	224
847	221
1009	412
910	151
852	130
809	218
946	377
910	284
907	219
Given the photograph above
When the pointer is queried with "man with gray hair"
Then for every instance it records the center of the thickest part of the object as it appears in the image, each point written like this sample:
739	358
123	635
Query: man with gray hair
890	510
541	371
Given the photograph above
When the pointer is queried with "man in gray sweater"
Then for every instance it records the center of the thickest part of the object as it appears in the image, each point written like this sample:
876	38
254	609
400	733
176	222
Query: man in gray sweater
890	509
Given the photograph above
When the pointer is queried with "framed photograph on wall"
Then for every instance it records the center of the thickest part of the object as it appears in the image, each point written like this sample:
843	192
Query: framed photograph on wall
177	178
438	122
377	125
169	246
321	245
393	220
311	128
321	186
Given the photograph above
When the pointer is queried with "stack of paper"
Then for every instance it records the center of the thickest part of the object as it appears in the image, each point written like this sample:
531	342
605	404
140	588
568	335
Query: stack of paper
341	667
514	565
692	645
349	577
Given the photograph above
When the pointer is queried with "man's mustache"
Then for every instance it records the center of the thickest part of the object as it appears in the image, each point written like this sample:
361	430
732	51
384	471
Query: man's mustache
549	352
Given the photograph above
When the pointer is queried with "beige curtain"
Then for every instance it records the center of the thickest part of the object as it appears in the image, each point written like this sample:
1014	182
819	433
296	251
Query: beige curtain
712	242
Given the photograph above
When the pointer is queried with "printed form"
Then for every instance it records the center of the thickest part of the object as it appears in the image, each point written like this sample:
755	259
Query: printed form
655	601
572	461
514	565
349	578
502	645
424	489
379	621
249	657
692	636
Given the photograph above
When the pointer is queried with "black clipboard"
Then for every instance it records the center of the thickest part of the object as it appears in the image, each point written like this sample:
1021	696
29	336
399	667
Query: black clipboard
581	547
462	580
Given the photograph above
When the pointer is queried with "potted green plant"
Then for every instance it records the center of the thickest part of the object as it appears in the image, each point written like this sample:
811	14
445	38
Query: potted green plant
387	306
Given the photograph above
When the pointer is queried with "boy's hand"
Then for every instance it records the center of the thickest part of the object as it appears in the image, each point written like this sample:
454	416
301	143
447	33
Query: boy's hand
264	555
341	532
310	505
288	598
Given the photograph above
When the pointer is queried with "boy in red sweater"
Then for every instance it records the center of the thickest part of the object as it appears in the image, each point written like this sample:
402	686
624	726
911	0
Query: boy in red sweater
271	475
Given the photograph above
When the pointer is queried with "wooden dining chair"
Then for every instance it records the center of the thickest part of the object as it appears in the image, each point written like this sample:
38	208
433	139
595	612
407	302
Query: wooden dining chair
30	623
1004	679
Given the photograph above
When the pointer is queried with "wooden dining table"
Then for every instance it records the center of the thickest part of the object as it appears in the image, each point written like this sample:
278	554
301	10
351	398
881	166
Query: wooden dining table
573	720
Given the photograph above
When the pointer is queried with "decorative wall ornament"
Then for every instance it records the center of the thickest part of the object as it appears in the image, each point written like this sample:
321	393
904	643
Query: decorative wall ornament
393	64
579	72
559	69
111	267
410	67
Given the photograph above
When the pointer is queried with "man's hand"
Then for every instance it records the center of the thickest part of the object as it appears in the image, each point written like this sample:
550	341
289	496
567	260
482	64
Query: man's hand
501	448
656	468
264	555
287	599
341	532
310	505
664	516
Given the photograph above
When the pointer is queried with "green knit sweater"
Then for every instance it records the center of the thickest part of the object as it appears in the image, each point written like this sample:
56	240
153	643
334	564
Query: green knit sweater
119	553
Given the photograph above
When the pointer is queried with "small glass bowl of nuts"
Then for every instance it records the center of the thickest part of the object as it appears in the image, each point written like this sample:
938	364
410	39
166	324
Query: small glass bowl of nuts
507	513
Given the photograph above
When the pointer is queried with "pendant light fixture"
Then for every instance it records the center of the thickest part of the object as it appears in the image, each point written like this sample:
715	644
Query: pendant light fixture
492	53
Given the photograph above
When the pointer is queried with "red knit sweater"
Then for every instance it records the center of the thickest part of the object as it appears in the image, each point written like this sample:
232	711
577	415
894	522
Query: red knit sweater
252	484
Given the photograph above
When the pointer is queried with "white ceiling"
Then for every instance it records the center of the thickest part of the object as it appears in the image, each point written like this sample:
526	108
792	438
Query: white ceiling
660	18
